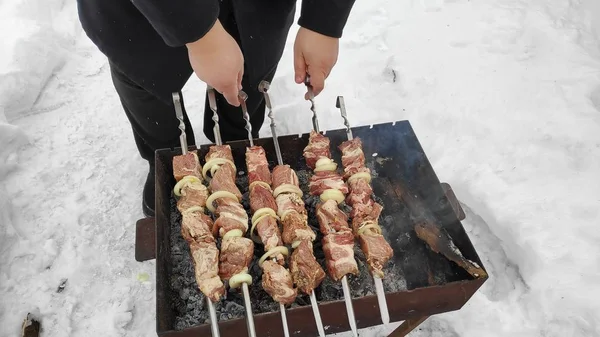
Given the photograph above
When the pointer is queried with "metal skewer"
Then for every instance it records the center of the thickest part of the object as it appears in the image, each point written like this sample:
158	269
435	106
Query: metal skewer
311	97
345	287
264	87
243	96
383	309
214	325
179	114
212	102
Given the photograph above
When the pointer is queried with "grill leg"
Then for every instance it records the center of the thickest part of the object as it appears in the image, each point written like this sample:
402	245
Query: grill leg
407	326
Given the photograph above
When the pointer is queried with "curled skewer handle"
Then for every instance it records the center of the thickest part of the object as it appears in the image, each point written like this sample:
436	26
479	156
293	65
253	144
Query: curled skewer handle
311	97
212	102
339	103
264	87
179	114
243	97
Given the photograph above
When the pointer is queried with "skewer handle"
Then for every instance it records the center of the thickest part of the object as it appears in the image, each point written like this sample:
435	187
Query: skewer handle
212	102
264	87
248	306
317	313
383	309
349	308
339	103
179	114
311	97
243	97
214	324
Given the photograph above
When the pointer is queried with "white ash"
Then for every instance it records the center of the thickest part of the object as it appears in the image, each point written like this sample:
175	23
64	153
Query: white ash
189	304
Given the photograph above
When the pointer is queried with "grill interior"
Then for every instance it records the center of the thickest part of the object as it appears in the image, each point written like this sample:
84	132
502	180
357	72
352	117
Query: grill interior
399	166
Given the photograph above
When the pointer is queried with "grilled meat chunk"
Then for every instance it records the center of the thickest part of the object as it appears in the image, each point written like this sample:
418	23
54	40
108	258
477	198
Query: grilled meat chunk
362	214
339	254
321	181
306	271
360	192
283	174
205	257
318	146
269	233
277	282
230	215
236	255
258	166
219	151
287	202
187	165
377	251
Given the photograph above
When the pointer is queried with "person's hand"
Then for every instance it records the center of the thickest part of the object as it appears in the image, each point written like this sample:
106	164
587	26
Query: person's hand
315	54
217	60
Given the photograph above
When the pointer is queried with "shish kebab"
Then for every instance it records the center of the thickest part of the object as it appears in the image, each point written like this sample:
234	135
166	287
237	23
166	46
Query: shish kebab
365	211
196	226
307	273
338	241
276	279
237	251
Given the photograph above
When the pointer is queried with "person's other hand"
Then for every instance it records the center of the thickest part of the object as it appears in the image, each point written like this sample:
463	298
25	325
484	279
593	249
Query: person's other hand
314	54
217	60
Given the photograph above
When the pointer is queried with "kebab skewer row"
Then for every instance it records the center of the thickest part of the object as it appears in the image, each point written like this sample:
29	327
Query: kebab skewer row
365	211
276	279
306	271
196	226
231	222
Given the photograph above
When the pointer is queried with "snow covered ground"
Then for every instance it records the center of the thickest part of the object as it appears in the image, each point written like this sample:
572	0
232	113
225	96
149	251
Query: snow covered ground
504	96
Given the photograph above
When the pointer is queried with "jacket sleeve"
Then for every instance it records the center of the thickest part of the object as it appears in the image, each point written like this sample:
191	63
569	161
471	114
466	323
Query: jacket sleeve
179	21
327	17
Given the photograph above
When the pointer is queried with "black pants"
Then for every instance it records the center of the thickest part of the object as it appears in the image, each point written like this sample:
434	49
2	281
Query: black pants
261	34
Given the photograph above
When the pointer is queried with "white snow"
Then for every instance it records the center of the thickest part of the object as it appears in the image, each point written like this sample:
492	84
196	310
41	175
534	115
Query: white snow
504	96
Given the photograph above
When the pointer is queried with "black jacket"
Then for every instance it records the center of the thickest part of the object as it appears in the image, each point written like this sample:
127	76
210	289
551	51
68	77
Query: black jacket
146	39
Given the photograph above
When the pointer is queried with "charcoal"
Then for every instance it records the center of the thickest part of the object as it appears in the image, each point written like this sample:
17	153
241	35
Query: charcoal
189	303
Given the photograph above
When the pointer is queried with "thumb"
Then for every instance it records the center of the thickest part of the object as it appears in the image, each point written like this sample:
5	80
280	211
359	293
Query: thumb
299	67
230	92
317	80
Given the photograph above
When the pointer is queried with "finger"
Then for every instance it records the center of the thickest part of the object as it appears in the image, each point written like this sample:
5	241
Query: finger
317	80
239	78
299	67
230	93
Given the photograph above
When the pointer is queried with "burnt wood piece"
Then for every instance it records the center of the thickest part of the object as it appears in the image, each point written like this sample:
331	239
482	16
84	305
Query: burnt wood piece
30	327
433	283
145	239
460	213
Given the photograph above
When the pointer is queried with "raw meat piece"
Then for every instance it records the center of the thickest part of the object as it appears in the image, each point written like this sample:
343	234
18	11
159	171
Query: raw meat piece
353	157
269	233
331	219
192	194
287	202
277	282
321	181
360	192
339	254
261	197
219	151
187	165
224	180
318	146
258	166
230	215
196	227
306	271
283	174
295	228
236	255
205	257
377	251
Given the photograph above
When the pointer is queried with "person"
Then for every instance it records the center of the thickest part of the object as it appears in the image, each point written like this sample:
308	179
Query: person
153	46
